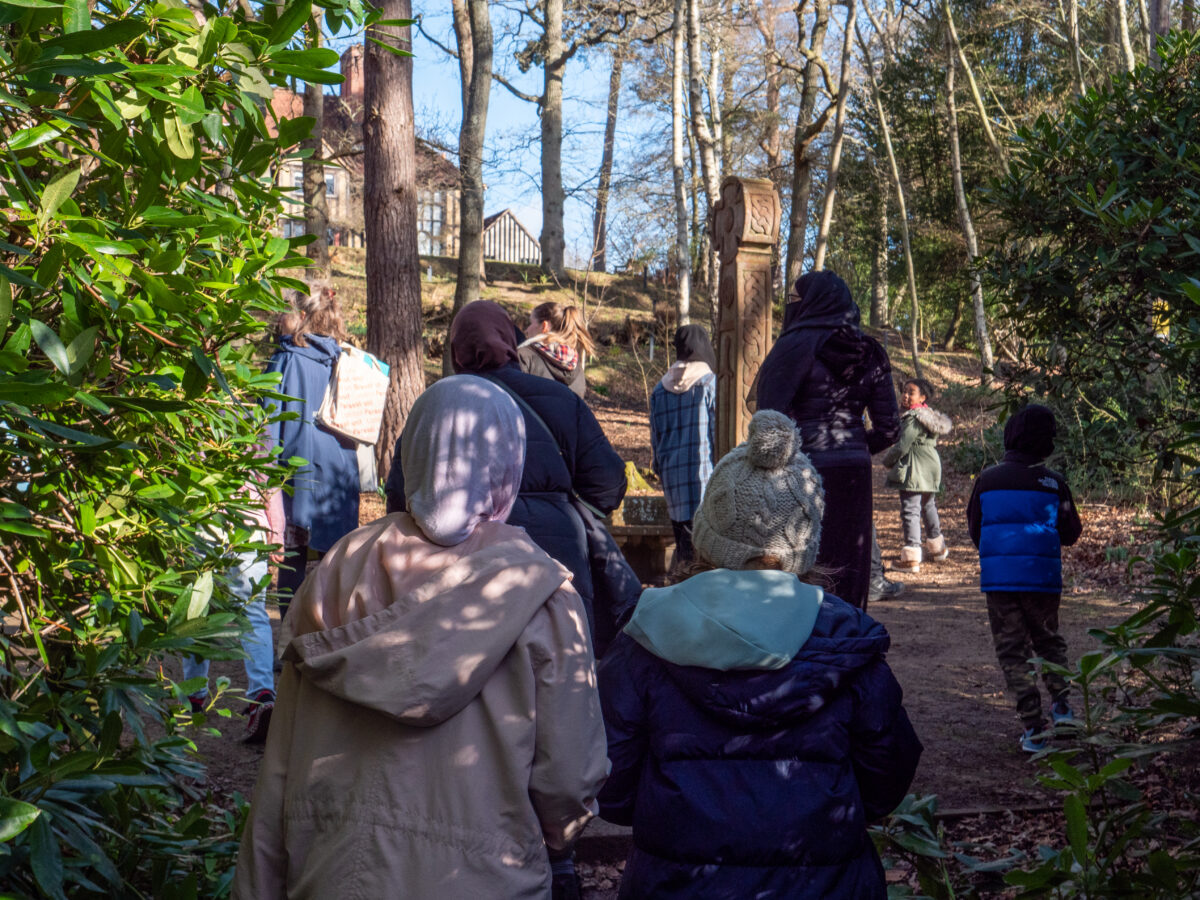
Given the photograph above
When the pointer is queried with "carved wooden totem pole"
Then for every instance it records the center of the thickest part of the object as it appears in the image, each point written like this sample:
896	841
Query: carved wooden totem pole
745	229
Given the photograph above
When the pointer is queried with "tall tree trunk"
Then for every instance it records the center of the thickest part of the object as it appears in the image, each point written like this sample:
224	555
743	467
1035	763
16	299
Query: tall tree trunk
1122	16
697	243
964	217
898	187
682	255
721	139
724	61
316	214
1188	21
879	259
835	152
806	132
553	239
769	141
980	107
950	338
1072	24
470	160
1147	28
704	141
390	217
600	220
461	16
1160	24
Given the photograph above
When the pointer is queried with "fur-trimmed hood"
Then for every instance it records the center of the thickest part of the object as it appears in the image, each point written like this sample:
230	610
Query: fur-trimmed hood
931	420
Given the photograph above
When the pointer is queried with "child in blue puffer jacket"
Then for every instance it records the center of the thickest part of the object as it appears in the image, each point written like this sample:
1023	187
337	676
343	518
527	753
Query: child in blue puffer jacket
754	727
1020	515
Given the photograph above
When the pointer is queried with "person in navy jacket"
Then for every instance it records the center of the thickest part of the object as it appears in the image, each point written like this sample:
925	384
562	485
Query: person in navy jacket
1020	516
754	727
568	454
321	504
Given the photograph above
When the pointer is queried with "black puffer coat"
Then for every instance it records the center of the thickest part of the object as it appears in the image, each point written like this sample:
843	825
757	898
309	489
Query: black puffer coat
587	463
824	373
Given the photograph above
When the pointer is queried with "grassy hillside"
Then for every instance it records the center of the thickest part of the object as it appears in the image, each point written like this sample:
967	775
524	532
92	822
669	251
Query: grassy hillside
622	314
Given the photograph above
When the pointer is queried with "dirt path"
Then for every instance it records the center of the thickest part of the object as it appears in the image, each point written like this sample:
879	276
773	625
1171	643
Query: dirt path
942	655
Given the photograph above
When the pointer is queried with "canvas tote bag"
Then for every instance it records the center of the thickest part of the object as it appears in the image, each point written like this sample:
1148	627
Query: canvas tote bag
354	400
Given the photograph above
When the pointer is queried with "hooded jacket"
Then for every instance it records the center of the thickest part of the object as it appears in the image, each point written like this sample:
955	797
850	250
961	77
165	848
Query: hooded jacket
437	727
754	729
824	372
1021	513
915	464
575	457
683	440
324	492
555	361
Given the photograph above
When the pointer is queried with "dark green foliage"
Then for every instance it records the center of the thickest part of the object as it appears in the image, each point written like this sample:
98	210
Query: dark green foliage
136	266
1103	241
1100	260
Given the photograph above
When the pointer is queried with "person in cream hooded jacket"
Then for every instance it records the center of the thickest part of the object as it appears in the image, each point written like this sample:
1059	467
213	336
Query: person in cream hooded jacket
437	730
754	726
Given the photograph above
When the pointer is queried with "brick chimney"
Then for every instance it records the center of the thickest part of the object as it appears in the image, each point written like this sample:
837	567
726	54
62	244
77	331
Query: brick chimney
352	71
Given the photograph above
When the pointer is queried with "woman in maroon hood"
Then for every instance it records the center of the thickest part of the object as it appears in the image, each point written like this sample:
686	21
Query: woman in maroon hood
825	373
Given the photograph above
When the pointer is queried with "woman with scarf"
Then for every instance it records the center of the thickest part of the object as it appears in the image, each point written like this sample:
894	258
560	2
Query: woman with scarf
438	733
683	421
568	455
556	344
825	373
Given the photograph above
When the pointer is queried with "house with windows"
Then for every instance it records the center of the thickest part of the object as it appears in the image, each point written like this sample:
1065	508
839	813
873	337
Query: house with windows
438	180
439	183
439	191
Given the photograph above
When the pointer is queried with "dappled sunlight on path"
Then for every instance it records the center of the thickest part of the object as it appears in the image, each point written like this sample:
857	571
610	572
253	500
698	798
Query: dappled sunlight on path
942	655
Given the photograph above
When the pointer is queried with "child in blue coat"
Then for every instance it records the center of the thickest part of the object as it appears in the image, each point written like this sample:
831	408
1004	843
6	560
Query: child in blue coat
754	727
1021	514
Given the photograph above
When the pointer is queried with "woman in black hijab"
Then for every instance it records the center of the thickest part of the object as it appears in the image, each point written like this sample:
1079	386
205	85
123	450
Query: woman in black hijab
825	373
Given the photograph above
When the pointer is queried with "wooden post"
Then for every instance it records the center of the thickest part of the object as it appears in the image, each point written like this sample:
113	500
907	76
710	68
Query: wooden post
745	230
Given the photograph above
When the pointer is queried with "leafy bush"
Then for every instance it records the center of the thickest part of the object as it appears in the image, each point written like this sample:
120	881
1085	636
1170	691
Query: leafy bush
135	270
1102	208
1103	211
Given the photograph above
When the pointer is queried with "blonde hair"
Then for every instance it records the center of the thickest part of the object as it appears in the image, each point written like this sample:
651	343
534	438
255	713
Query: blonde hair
317	312
567	326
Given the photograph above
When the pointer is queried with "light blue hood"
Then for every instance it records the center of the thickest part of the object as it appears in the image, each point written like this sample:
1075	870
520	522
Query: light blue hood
727	619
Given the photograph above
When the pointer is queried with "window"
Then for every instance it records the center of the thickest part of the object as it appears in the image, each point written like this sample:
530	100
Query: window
330	184
432	212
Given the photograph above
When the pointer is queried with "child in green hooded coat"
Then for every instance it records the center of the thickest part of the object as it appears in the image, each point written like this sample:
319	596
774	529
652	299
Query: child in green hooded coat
916	469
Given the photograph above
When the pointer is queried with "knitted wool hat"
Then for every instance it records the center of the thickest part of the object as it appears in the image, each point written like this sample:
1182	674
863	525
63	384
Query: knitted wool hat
764	499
